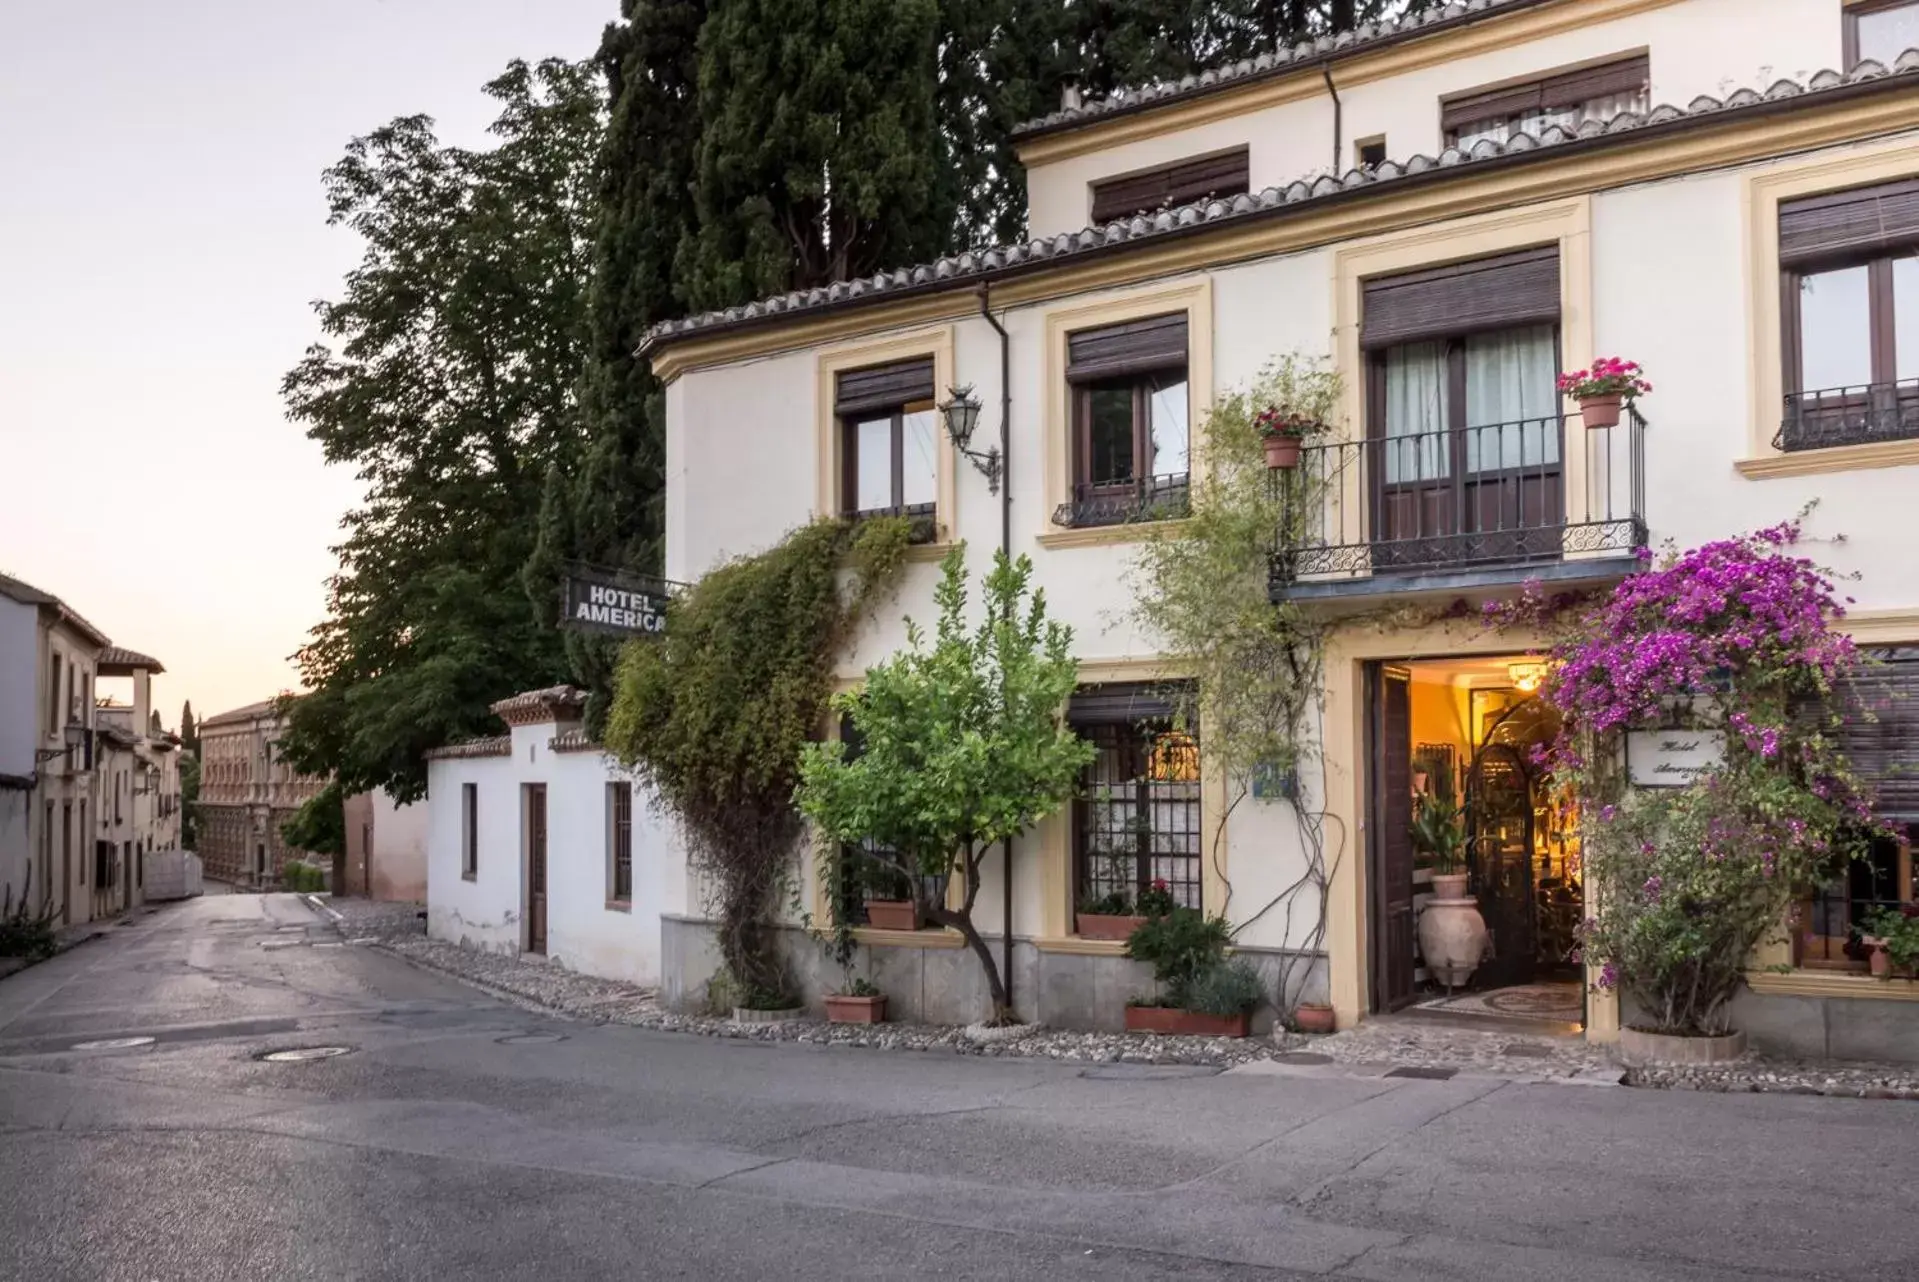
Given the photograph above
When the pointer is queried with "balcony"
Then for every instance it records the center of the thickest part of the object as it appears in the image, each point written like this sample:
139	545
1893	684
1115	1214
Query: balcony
1863	415
1148	498
1462	508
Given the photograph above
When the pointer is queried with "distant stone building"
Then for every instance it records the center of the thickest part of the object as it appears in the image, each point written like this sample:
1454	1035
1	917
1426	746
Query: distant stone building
247	791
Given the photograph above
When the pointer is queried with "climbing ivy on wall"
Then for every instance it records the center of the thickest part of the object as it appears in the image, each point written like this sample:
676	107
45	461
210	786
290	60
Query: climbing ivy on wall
715	715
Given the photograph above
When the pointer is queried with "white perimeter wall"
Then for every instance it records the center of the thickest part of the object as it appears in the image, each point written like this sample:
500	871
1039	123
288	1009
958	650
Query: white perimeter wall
584	931
398	857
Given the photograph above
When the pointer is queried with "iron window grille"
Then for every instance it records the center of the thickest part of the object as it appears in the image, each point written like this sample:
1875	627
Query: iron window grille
870	870
1137	818
1131	422
620	800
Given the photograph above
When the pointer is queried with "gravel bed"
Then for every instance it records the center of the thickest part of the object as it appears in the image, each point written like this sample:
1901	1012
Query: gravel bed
550	987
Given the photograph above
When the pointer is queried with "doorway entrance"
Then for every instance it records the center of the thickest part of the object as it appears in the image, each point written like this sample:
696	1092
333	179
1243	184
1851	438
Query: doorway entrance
533	807
1452	745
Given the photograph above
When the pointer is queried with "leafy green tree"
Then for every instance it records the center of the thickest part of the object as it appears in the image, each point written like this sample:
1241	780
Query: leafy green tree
962	746
460	340
319	825
607	506
818	145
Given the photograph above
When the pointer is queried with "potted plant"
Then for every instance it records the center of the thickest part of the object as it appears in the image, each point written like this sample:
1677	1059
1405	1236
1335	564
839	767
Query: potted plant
1314	1017
1184	948
1602	390
1452	932
1113	916
1281	430
891	904
1893	939
859	1002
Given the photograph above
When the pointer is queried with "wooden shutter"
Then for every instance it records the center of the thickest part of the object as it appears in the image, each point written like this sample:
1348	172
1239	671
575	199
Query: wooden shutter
1157	342
1865	220
1884	748
1119	704
1490	293
883	387
1223	175
1625	75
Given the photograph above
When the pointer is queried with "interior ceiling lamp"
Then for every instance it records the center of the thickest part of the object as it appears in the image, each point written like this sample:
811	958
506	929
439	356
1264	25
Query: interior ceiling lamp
1526	676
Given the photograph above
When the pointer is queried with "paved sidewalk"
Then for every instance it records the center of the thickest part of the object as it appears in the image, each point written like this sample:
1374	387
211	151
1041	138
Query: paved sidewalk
1376	1047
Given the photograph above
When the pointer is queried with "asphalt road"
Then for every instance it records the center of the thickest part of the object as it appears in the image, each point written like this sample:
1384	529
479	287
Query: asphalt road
464	1138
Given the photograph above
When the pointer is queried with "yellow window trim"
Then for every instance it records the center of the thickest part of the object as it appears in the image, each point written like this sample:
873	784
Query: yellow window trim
1195	298
1898	158
936	343
1110	535
1882	627
1841	984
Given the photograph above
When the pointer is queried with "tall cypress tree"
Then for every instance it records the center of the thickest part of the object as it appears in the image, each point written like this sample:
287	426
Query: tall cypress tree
819	145
607	504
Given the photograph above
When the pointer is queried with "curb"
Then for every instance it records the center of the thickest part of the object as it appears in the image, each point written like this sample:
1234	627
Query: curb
318	905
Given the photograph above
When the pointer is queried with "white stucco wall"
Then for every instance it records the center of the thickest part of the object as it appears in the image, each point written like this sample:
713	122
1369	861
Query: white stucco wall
1696	47
22	715
585	930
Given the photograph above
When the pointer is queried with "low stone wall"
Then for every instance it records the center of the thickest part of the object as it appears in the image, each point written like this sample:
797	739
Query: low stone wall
1839	1028
945	984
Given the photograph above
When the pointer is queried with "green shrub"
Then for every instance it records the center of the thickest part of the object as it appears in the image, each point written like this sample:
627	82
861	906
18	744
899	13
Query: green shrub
302	877
1231	988
23	932
1181	946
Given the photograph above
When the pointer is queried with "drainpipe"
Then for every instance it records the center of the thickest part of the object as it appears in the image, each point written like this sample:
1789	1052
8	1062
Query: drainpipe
1006	546
1326	70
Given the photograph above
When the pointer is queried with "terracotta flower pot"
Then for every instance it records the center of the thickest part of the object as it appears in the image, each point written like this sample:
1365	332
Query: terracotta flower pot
1450	885
1314	1017
1171	1019
893	914
1880	961
1600	411
842	1009
1108	926
1281	451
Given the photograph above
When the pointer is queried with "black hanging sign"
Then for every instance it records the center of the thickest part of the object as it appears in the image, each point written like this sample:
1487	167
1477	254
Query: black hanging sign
610	602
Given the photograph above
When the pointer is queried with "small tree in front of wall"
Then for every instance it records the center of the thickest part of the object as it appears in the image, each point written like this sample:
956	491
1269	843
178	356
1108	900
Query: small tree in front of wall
963	747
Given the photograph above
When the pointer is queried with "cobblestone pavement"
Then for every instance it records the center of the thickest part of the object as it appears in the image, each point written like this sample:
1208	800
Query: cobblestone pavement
1375	1046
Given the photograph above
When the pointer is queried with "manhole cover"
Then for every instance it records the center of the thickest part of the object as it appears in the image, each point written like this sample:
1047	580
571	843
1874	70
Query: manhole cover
302	1054
1425	1074
114	1044
531	1039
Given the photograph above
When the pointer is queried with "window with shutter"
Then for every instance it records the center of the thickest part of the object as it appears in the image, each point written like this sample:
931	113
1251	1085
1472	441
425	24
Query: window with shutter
1131	429
889	448
1206	178
1568	100
1849	297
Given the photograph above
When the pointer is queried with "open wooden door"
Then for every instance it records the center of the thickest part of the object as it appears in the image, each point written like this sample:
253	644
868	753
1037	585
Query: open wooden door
535	806
1391	844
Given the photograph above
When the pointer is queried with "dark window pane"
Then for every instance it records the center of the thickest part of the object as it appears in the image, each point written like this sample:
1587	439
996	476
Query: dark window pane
1110	423
1835	329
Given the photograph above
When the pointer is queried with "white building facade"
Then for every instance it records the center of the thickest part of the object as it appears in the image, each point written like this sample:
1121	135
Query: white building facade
1495	194
537	842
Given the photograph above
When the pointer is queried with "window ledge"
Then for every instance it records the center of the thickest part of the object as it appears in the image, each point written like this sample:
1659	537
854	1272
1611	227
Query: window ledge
928	551
940	938
1074	946
1108	535
1813	983
619	905
1834	458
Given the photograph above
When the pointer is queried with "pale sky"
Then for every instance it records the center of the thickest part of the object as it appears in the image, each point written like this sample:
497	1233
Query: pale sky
162	234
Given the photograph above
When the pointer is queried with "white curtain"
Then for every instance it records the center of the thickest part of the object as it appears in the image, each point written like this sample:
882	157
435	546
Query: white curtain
1512	405
1415	444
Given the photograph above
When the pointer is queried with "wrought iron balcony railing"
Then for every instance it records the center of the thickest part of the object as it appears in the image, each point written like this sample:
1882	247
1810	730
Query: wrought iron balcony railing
1148	498
1850	416
1535	490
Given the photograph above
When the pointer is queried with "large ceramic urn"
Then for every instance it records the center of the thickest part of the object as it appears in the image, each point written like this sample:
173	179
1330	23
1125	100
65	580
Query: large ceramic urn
1452	934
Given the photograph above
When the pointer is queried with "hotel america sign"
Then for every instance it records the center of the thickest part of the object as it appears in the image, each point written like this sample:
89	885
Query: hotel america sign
614	603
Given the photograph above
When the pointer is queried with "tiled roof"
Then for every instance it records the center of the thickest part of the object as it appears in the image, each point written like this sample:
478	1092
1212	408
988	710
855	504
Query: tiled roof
26	594
555	703
499	745
973	268
1364	38
117	661
573	739
247	713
